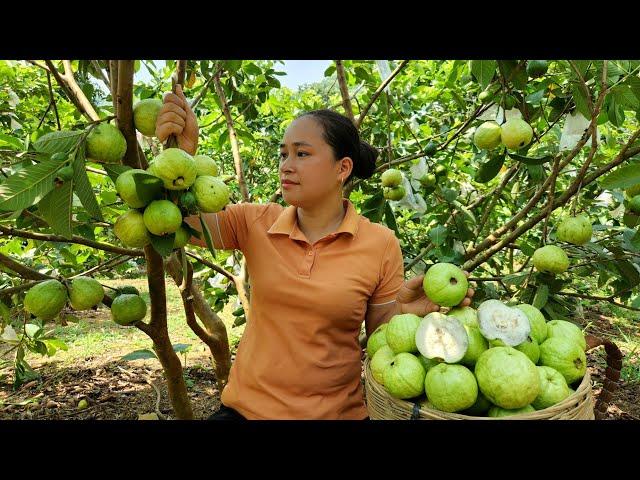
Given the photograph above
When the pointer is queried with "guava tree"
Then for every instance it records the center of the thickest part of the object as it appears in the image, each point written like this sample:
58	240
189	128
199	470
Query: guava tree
486	202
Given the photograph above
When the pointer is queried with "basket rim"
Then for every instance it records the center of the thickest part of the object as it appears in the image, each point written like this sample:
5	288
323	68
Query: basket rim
580	392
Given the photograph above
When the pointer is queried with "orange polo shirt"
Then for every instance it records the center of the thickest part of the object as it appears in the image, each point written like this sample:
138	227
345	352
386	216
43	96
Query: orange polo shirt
299	356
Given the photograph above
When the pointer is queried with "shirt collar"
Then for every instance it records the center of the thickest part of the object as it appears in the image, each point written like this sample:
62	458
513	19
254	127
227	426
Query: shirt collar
287	222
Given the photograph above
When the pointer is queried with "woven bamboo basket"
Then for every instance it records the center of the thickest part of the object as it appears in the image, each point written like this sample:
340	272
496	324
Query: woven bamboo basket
578	406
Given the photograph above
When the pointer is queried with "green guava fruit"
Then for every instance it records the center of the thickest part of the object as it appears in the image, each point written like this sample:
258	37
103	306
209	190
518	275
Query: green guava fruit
404	377
537	68
440	170
536	321
499	321
529	347
380	361
176	168
162	217
503	412
565	356
431	149
391	177
634	204
516	134
211	193
575	230
127	309
631	219
395	193
467	315
445	284
145	115
550	259
564	329
182	237
451	388
376	340
126	188
152	169
428	363
188	201
508	102
46	299
633	190
128	289
65	173
441	337
401	333
106	144
206	165
553	388
477	345
429	180
507	377
131	230
480	407
85	293
487	136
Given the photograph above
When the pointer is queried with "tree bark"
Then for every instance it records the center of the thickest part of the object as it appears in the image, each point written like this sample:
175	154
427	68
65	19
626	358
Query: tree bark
344	90
73	91
125	112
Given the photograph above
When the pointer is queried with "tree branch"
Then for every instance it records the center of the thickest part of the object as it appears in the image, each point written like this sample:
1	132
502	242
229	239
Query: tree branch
73	91
22	270
125	113
379	91
594	297
10	231
213	266
344	90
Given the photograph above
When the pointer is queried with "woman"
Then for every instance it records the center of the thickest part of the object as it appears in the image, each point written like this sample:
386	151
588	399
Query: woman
318	270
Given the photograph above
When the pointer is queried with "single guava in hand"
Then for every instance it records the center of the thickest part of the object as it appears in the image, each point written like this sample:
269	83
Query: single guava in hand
516	134
550	259
565	356
211	193
536	321
176	168
404	378
401	333
145	115
46	299
85	293
451	388
106	144
131	230
507	377
445	284
380	361
162	217
576	230
127	309
487	136
391	177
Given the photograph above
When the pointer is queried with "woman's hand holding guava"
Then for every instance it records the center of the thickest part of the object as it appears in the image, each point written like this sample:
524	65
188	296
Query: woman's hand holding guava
177	118
412	298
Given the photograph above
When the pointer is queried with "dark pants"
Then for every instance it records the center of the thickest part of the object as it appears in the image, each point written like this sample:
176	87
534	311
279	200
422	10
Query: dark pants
226	413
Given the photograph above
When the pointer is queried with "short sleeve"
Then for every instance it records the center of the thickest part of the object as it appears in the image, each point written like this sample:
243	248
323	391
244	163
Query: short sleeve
230	227
391	275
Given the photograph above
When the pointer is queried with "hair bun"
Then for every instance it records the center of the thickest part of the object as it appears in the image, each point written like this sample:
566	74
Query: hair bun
367	164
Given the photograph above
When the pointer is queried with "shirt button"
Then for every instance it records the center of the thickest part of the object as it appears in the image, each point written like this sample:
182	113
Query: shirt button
310	252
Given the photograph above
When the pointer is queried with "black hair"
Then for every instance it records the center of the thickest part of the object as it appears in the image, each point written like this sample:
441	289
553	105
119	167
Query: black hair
342	135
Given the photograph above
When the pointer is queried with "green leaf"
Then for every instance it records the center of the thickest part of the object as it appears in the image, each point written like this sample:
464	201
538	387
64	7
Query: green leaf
515	72
28	186
514	279
163	244
148	187
531	160
635	241
251	68
582	66
207	236
615	112
625	96
491	168
114	170
330	70
527	249
139	355
56	209
634	84
82	187
11	141
224	138
483	71
628	272
390	218
541	296
623	177
181	347
53	142
535	98
373	207
536	172
232	66
438	235
580	99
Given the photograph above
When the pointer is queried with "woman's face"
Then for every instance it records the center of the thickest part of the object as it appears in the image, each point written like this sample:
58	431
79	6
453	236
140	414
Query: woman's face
309	173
